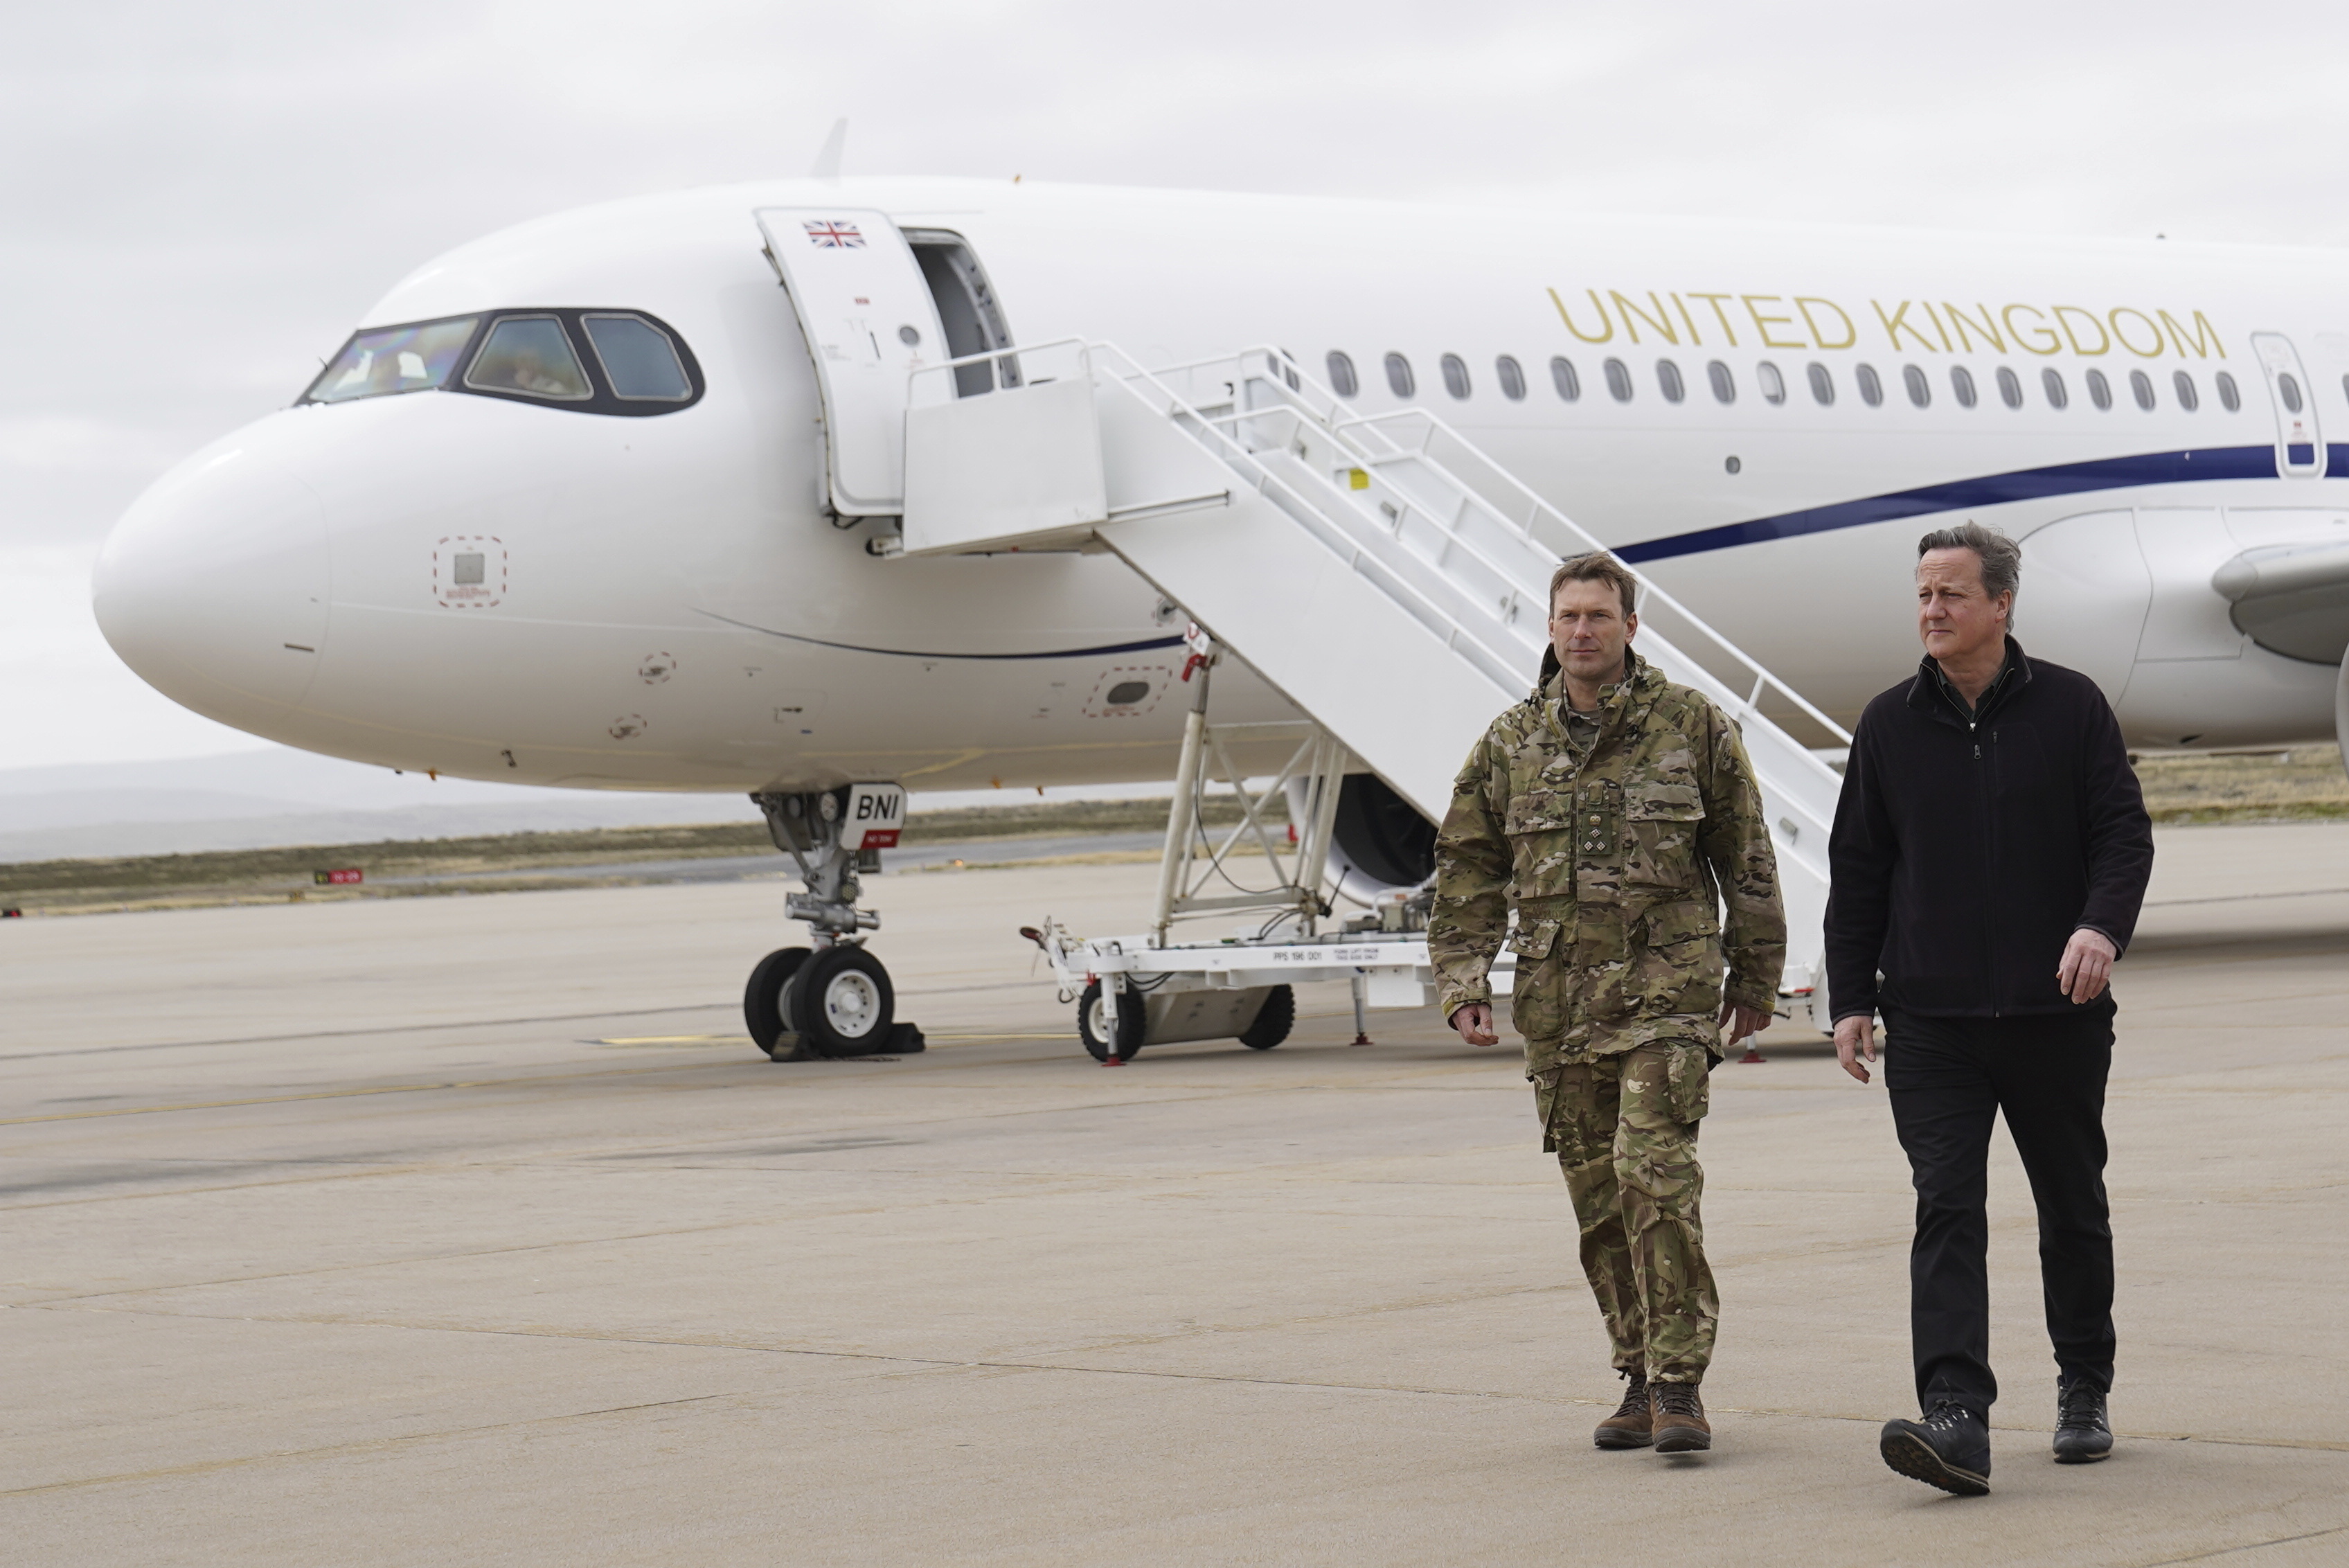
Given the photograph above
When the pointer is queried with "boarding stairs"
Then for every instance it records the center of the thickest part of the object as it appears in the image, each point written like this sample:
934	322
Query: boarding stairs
1378	570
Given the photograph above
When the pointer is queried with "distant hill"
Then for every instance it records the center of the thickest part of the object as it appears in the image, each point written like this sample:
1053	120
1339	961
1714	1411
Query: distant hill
275	796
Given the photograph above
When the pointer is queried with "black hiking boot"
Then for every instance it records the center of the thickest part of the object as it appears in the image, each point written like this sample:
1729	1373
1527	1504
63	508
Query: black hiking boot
1949	1448
2083	1431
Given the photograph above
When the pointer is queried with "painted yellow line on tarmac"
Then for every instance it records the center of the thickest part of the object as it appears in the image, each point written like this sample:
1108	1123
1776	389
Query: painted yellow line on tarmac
677	1040
968	1039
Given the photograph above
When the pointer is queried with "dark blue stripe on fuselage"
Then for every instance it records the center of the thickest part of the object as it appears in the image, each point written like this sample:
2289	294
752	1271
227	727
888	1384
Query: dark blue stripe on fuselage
1107	648
1990	489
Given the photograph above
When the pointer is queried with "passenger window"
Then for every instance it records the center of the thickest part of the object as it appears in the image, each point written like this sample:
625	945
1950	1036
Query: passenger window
1400	381
2289	385
1724	385
1920	391
1668	376
1511	377
393	359
1871	390
1773	385
1961	383
2051	382
2141	389
1619	381
638	358
1562	376
1822	385
2188	398
1455	374
2229	398
1341	374
2100	391
2009	387
531	354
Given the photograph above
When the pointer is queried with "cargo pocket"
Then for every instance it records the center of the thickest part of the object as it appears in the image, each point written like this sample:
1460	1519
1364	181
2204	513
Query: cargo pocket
1537	998
1688	1082
1661	848
1578	1120
1679	959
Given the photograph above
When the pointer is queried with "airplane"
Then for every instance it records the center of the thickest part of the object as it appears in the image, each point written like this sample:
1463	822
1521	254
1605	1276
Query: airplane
622	498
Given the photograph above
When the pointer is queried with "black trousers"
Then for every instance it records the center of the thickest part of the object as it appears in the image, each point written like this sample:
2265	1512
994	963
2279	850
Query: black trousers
1948	1078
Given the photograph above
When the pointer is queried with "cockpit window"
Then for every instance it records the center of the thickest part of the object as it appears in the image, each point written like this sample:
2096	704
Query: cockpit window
605	360
533	355
638	358
394	360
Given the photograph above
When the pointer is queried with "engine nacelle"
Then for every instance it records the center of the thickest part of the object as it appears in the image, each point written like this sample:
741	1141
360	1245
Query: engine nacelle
1378	842
2340	711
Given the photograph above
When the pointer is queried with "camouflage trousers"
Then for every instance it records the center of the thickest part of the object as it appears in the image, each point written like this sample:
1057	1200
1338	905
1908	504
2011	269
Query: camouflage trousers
1624	1129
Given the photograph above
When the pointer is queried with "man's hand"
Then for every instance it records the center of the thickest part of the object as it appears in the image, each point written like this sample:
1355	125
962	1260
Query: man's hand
1738	1020
1852	1036
1475	1021
2087	965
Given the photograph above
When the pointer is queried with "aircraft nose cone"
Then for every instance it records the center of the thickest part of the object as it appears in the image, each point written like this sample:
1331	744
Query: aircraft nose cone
213	585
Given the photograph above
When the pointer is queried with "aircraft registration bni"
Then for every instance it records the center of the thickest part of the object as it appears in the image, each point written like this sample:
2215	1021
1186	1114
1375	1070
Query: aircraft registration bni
613	499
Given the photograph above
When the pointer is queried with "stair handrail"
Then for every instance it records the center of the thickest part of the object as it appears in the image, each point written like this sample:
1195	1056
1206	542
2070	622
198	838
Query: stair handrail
1344	513
1539	507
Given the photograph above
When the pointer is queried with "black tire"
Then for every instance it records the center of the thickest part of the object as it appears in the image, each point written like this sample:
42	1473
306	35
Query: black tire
1130	1019
843	1003
766	1000
1273	1021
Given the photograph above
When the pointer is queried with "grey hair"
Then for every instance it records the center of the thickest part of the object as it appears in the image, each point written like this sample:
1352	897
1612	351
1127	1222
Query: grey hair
2001	557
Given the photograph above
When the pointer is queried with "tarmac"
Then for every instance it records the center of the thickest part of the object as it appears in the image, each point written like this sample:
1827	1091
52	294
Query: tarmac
471	1229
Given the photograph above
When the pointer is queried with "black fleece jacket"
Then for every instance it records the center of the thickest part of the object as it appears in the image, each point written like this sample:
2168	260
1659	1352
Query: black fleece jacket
1967	848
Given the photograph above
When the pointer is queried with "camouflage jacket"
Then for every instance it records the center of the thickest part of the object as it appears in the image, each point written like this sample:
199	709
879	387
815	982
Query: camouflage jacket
1617	864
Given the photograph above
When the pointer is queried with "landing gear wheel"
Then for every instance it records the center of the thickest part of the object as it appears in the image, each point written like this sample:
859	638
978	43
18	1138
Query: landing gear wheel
1273	1021
766	1000
843	1003
1093	1026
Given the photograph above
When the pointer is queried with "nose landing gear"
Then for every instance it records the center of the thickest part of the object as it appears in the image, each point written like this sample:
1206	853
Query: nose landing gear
832	998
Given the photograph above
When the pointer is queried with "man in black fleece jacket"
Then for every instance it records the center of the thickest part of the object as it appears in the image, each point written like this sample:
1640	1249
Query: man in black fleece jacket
1990	852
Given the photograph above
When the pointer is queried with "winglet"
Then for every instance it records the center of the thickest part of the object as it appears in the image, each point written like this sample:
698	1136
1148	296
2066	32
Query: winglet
827	163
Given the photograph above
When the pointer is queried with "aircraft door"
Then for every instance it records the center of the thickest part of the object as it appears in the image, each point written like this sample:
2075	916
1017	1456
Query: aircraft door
2300	445
870	321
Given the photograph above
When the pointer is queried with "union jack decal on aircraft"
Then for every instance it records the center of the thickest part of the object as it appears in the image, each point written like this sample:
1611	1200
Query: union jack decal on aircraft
834	236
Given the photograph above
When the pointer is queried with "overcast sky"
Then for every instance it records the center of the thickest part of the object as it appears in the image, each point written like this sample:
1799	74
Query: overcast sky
200	200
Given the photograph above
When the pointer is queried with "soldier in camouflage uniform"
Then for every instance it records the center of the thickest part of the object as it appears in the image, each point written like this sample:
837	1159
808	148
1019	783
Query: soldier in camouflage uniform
1616	814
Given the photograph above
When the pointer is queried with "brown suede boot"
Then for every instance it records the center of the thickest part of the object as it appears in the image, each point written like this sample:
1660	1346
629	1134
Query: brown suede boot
1680	1424
1628	1427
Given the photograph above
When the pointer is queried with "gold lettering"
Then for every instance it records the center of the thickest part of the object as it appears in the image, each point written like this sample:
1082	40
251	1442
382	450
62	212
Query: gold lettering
1604	320
1893	327
1803	302
1720	315
2053	342
2201	326
1762	324
1982	327
2104	340
1629	311
1936	318
2152	353
1685	321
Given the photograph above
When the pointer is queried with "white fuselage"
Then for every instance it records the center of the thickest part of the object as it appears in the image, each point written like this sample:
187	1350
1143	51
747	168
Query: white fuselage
671	602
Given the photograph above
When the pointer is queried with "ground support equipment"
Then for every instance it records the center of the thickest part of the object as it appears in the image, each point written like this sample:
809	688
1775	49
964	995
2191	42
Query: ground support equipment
1233	989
